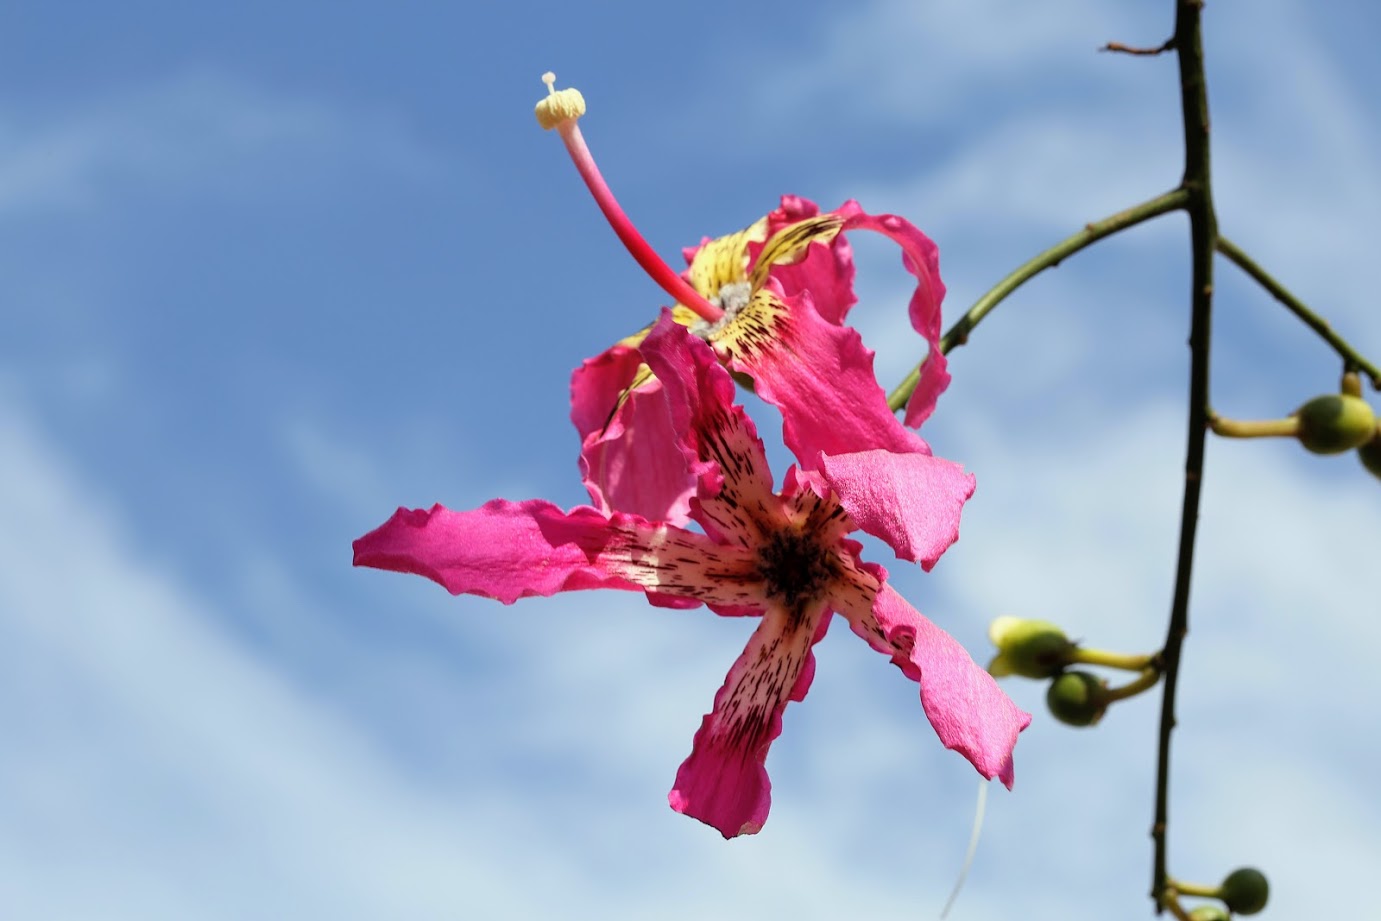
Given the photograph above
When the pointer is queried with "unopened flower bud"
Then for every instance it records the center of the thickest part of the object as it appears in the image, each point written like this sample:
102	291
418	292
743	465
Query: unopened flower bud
1334	423
1077	698
1208	913
1029	648
1370	454
1245	891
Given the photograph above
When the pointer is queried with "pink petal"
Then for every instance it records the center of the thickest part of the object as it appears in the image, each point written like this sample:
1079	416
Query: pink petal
821	377
969	712
724	782
735	501
510	550
826	270
912	501
628	459
921	258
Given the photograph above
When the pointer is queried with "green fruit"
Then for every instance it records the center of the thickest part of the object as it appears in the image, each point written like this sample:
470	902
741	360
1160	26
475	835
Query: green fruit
1370	455
1030	648
1335	423
1077	698
1245	891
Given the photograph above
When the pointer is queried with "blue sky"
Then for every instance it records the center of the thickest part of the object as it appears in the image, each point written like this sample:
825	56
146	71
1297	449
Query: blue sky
269	271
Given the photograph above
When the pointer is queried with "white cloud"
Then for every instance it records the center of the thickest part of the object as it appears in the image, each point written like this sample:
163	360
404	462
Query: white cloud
163	765
366	746
216	133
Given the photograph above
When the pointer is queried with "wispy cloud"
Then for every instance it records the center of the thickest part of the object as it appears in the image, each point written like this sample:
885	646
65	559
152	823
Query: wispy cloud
213	133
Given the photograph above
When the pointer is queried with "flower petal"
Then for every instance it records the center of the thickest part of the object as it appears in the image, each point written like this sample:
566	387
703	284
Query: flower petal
735	501
722	261
969	712
629	459
510	550
821	378
912	501
819	375
921	257
805	251
724	782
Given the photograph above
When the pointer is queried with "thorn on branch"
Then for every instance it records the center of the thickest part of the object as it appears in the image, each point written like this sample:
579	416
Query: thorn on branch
1120	48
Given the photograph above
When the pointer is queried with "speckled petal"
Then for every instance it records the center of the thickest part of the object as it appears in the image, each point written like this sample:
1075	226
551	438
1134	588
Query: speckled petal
724	782
821	378
723	260
735	501
510	550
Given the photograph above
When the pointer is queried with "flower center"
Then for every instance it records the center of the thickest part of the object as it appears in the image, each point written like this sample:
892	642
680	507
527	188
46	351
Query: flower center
732	298
795	567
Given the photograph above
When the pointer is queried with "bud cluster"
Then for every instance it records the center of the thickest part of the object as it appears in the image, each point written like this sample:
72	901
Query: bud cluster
1039	649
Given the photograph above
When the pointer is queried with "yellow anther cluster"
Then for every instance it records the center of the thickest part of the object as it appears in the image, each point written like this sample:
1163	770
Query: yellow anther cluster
559	105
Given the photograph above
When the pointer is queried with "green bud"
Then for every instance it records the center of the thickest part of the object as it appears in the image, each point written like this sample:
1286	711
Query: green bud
1370	455
1208	913
1077	698
1334	423
1245	891
1029	648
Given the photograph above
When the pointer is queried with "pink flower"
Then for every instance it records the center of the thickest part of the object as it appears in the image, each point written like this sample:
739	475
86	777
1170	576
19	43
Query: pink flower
771	300
784	557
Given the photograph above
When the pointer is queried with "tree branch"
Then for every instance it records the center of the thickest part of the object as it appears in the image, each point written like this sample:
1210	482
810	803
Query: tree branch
1203	240
1315	322
958	334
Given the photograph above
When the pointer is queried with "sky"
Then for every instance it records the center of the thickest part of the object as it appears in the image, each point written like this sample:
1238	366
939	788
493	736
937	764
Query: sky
269	271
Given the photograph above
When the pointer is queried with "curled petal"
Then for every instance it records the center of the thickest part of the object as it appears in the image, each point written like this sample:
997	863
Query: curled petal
912	501
510	550
735	501
629	459
969	712
805	251
921	257
724	782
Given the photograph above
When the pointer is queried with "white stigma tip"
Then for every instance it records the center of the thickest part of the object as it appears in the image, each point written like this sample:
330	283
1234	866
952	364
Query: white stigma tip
549	79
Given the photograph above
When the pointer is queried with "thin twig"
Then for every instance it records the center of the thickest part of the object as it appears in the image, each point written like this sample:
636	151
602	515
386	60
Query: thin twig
1203	230
1144	52
1315	322
958	334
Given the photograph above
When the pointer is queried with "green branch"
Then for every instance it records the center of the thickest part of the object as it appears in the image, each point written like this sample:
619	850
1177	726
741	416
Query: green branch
1203	231
958	334
1315	322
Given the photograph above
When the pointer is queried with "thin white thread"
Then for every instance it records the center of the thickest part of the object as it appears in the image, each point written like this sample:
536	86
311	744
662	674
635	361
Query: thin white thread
973	847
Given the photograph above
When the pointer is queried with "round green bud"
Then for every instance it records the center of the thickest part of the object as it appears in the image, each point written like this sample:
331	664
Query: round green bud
1030	648
1077	698
1245	891
1208	913
1334	423
1370	455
